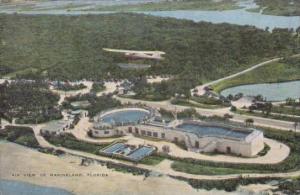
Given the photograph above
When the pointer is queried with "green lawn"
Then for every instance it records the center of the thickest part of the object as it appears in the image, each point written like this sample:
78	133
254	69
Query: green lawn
152	160
276	117
285	110
184	102
273	72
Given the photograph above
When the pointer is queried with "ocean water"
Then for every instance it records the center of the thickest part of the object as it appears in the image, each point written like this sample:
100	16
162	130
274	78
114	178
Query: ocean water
8	187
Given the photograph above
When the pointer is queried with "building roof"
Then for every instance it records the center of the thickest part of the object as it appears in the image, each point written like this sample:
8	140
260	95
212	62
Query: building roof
76	112
81	104
55	126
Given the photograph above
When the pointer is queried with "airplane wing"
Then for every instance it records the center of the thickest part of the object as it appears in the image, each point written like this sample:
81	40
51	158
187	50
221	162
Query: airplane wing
118	50
132	51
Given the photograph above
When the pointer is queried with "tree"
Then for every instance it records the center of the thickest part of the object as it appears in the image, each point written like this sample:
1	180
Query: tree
233	109
249	122
268	108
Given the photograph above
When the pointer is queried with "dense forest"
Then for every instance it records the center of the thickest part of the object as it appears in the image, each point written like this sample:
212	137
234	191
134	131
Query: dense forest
70	47
29	102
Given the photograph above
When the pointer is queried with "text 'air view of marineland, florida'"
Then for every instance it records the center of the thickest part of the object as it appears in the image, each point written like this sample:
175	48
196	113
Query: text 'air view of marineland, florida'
166	97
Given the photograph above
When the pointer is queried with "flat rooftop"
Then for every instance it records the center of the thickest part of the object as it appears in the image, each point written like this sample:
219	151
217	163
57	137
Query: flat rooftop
214	130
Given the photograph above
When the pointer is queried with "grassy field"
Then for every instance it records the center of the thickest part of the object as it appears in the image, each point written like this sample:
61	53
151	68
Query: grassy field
276	117
273	72
185	102
285	110
175	5
152	160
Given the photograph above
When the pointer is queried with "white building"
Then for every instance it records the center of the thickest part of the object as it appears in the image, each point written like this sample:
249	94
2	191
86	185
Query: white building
213	137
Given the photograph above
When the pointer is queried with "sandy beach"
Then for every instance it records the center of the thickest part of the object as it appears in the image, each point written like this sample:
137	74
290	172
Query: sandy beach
16	159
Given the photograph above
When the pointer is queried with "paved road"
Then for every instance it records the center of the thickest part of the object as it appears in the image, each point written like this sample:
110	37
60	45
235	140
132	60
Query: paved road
265	122
201	87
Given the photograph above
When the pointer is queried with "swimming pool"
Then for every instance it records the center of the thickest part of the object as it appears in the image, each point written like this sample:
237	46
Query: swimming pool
125	116
212	131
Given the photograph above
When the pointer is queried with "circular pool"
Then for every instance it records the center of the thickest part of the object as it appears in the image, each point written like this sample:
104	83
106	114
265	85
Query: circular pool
125	116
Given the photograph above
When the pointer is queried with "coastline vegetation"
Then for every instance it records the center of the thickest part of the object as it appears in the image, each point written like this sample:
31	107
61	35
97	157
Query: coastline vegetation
69	141
279	7
197	169
172	5
20	135
228	185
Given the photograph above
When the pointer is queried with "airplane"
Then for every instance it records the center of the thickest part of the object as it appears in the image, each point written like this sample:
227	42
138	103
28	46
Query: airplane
134	55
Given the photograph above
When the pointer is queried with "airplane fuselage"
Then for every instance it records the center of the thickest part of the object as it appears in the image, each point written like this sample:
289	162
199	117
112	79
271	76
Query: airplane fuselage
134	55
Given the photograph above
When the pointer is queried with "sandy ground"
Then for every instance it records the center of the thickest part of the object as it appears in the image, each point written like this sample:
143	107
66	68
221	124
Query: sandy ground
157	79
110	87
2	81
243	102
257	188
16	159
88	88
